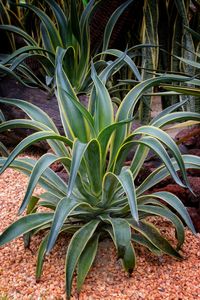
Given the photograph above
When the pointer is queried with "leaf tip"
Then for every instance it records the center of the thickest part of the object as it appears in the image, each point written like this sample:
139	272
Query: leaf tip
37	280
20	211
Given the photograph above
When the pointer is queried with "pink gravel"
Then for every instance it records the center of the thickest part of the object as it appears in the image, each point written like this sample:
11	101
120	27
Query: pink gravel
153	279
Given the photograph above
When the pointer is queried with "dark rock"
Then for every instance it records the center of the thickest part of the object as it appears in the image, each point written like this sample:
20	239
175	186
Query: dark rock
9	88
63	175
189	137
175	189
194	152
195	216
189	199
195	184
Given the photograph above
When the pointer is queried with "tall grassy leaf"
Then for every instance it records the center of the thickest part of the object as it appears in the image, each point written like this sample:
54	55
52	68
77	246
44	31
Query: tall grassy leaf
61	20
49	27
111	23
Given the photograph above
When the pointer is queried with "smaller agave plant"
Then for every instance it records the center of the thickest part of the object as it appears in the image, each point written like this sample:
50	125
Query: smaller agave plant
67	27
100	198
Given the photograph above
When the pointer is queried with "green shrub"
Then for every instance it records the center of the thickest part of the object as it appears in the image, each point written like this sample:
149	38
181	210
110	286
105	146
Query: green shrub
100	198
68	28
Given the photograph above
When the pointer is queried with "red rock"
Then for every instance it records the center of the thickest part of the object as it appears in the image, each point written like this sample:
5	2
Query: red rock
189	137
195	216
175	189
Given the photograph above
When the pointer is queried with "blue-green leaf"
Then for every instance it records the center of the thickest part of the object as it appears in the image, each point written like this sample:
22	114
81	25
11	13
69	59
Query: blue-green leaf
23	225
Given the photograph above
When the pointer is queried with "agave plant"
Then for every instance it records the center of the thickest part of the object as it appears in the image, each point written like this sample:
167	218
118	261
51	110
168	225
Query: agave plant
68	29
100	198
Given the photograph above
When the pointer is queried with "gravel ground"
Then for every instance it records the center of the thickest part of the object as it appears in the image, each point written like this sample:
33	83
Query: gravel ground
153	278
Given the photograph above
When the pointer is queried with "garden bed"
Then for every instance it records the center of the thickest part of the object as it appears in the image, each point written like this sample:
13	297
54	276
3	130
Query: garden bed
154	278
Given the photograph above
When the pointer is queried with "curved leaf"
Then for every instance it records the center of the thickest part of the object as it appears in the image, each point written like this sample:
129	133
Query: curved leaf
129	259
7	71
164	212
63	210
174	202
20	32
169	143
176	117
157	147
49	180
122	234
23	225
41	165
162	172
167	111
86	260
33	138
22	123
3	150
32	111
126	59
142	240
128	104
153	235
25	49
